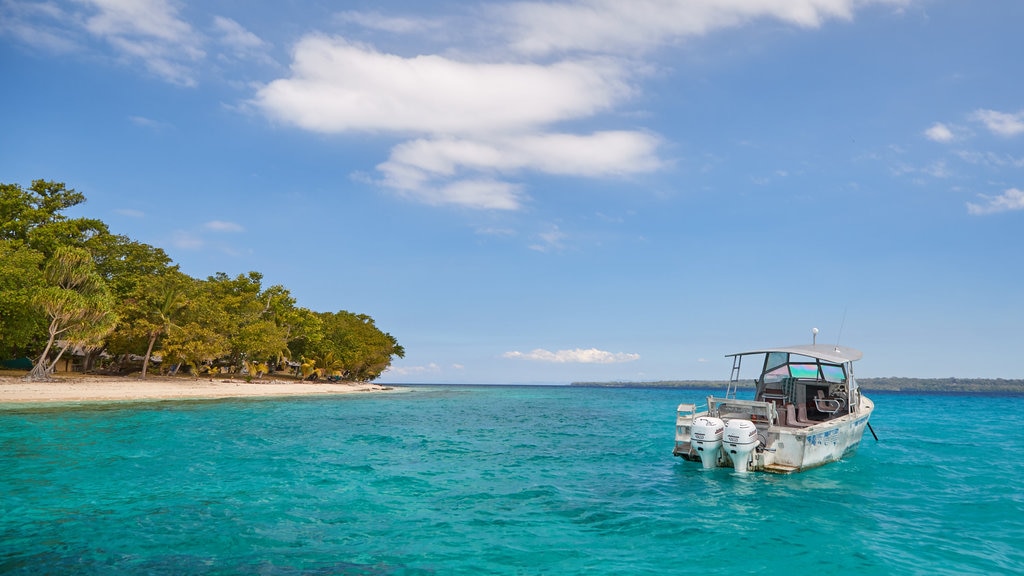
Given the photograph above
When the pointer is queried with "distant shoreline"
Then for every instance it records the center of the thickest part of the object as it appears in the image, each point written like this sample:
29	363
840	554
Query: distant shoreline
978	385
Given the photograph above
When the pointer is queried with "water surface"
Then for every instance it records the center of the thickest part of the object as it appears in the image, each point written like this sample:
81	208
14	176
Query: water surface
498	480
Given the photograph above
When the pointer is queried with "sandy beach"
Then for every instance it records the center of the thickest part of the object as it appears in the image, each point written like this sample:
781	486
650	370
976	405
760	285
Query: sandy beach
71	388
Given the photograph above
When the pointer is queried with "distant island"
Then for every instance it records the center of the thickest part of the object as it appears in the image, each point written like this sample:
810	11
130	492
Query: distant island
981	385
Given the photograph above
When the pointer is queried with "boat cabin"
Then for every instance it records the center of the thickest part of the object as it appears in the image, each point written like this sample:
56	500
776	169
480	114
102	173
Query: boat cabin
807	384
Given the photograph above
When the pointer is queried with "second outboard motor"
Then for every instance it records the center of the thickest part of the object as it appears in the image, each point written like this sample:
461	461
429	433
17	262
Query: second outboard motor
706	437
739	441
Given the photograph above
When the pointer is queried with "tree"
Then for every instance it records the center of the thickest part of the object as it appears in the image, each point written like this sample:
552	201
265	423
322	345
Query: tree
77	304
199	335
35	217
363	349
124	263
65	281
323	364
305	332
21	279
260	323
148	313
170	300
195	345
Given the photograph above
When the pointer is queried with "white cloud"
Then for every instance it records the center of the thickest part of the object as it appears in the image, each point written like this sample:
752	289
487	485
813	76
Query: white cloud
481	122
186	240
937	169
419	167
148	30
130	213
612	25
471	124
37	24
939	132
236	37
1001	123
337	86
1011	199
597	154
483	194
550	240
577	356
990	159
222	226
378	21
431	368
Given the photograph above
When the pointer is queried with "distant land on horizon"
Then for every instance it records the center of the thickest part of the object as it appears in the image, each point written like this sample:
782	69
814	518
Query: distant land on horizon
868	384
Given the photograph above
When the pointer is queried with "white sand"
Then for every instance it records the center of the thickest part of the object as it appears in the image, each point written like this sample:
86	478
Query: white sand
68	388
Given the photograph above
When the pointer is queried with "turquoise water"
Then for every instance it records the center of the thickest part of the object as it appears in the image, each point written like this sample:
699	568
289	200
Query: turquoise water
496	480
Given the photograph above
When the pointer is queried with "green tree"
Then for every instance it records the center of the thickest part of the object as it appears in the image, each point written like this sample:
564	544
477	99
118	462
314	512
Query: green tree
260	322
195	345
199	334
305	332
170	300
77	304
35	216
148	313
21	278
325	364
124	263
363	349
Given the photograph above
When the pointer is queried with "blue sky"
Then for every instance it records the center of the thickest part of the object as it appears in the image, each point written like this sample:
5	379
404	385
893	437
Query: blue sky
527	192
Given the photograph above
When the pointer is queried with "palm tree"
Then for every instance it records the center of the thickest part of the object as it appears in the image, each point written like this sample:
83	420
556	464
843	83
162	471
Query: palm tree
323	364
171	300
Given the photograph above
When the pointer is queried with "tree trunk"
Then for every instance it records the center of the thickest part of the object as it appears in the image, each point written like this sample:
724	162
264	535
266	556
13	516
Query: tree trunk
40	371
149	351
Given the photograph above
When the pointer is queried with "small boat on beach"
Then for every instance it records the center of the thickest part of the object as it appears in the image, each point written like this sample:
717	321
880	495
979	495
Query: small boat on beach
807	411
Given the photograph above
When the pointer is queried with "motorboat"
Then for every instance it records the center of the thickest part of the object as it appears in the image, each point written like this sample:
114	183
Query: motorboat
807	411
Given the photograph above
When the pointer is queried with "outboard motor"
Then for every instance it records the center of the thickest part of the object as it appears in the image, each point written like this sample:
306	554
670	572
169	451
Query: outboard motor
739	441
706	437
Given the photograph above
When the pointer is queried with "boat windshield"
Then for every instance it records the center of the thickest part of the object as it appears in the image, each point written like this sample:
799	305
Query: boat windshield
779	366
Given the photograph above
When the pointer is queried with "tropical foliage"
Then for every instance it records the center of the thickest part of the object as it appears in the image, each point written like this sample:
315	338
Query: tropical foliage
69	284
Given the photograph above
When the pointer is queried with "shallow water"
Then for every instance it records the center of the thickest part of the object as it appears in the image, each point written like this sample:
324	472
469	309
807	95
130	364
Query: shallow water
498	480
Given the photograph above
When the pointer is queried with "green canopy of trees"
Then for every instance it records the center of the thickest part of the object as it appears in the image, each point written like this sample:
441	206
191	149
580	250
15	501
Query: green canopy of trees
70	284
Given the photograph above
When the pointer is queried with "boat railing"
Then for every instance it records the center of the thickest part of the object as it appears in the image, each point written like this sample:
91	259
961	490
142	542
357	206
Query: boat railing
754	410
828	405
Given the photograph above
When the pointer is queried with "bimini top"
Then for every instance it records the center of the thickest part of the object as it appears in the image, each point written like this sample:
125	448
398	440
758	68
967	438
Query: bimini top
826	352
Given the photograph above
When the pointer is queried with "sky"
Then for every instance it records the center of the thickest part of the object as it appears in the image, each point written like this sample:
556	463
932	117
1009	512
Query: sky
559	191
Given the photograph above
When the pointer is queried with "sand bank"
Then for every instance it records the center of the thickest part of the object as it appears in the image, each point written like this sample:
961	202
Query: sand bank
100	388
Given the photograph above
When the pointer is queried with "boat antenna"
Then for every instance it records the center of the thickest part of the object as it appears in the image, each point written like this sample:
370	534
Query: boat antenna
841	324
814	336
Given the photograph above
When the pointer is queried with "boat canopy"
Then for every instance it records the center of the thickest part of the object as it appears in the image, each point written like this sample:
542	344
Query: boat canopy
826	352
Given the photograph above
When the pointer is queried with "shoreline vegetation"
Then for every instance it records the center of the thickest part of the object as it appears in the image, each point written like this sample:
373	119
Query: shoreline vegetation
976	385
76	297
76	388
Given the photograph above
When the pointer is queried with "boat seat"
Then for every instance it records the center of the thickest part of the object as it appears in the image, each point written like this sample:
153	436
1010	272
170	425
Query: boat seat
827	405
791	417
801	415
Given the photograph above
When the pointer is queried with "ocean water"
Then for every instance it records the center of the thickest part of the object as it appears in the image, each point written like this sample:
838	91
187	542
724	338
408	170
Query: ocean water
496	480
